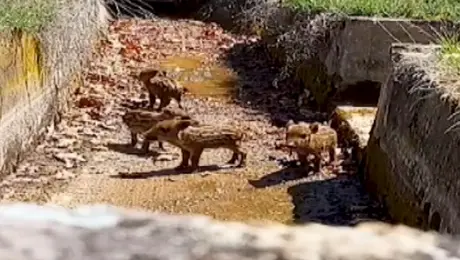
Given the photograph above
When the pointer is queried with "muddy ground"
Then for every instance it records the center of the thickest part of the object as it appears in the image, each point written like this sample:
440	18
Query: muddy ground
80	160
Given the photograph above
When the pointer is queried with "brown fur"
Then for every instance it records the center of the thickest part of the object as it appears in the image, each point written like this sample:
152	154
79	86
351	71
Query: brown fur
306	139
192	138
159	84
139	121
347	137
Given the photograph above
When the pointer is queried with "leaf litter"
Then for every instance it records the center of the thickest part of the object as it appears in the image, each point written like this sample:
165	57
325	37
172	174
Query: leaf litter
78	149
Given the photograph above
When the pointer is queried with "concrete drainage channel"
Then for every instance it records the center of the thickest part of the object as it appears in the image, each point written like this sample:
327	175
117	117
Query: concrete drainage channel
231	78
345	63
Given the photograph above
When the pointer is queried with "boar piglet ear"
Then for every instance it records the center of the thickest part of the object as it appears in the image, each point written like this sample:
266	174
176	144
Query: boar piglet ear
314	128
289	123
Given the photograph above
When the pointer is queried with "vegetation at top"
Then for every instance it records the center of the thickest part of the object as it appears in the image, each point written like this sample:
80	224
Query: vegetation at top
450	55
415	9
26	15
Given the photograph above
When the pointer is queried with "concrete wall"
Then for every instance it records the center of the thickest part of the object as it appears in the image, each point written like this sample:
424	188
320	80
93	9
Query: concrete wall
349	54
362	49
26	102
37	72
345	61
102	233
412	164
326	53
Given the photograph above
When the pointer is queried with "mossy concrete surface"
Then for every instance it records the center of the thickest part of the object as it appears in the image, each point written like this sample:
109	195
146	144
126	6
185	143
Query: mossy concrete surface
34	85
412	162
20	67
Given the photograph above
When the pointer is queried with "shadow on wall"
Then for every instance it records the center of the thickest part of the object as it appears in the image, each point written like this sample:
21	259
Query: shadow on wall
152	8
339	201
432	222
257	72
361	94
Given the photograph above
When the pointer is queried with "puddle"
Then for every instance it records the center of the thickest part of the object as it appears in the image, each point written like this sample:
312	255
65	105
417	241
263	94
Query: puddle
201	79
359	119
349	112
186	63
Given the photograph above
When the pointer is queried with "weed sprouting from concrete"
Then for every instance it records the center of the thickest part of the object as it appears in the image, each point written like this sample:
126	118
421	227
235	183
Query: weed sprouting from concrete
454	117
68	38
450	55
449	64
130	8
438	73
449	74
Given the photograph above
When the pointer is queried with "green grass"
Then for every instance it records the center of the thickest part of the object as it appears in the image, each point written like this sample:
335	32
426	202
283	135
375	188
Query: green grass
450	55
416	9
26	15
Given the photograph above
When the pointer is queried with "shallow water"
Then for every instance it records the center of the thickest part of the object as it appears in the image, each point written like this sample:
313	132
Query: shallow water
200	78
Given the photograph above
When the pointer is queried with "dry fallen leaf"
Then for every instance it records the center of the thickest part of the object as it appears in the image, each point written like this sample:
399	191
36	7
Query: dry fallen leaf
89	101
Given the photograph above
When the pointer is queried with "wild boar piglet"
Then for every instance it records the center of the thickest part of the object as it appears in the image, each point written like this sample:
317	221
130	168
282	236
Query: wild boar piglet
159	84
311	139
139	121
192	138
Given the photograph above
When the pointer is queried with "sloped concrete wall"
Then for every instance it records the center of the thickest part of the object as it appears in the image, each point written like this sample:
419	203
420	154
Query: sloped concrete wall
24	106
412	163
363	46
37	72
101	233
330	53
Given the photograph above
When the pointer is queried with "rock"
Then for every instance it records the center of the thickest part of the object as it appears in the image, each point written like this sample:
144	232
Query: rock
165	157
69	159
172	179
205	174
64	175
65	142
102	232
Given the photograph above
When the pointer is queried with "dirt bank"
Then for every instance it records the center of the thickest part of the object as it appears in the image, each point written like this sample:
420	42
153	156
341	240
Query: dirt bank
231	83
